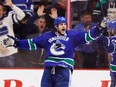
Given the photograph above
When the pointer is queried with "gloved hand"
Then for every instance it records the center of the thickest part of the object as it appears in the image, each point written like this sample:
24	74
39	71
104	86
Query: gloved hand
102	25
16	41
104	22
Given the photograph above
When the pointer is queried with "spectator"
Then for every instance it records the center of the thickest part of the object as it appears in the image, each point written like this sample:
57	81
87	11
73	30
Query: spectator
27	26
87	53
6	25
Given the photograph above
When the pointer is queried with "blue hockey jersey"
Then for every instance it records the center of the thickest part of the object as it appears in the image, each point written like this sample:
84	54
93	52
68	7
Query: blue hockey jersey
112	49
110	45
60	49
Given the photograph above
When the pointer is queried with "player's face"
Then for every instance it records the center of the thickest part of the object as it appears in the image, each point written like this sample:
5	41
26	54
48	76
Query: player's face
61	28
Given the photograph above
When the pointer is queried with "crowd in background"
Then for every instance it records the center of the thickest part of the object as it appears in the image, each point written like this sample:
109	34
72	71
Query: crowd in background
39	16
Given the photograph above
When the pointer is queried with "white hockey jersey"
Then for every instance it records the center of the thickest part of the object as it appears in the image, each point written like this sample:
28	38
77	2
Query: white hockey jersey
6	28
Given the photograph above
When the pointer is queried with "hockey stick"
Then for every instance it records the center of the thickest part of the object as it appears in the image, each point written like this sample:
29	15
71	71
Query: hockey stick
102	10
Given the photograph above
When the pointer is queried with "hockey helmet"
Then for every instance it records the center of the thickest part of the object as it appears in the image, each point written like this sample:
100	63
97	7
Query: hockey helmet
112	25
59	20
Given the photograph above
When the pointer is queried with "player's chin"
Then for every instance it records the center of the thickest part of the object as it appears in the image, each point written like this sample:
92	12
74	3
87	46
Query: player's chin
63	32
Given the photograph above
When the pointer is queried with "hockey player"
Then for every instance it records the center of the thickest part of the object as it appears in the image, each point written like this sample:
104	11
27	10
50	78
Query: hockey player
59	45
109	43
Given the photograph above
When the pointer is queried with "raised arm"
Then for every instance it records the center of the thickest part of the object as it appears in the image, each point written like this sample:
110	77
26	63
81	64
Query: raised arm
40	10
19	13
54	13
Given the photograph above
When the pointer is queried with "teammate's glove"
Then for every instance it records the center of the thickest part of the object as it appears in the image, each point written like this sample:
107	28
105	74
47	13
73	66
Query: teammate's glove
104	22
110	24
16	41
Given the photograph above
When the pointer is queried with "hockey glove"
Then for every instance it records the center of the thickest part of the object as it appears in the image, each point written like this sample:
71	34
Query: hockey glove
103	24
16	41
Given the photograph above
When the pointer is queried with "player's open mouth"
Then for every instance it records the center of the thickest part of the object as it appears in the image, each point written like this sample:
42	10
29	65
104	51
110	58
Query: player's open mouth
63	29
42	26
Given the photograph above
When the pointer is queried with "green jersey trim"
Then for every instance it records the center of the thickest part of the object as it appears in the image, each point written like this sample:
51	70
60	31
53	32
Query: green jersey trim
67	61
113	68
88	37
32	46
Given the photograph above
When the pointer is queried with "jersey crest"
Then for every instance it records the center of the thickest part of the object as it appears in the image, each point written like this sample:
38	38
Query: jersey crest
57	48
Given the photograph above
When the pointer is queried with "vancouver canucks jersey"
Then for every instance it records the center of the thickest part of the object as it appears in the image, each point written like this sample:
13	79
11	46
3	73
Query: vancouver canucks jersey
112	49
110	45
60	49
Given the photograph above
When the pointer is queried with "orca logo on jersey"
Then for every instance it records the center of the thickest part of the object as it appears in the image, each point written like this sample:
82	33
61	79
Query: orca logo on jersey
57	48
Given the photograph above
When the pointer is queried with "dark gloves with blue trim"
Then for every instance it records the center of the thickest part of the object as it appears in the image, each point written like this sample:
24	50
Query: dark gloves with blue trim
16	41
